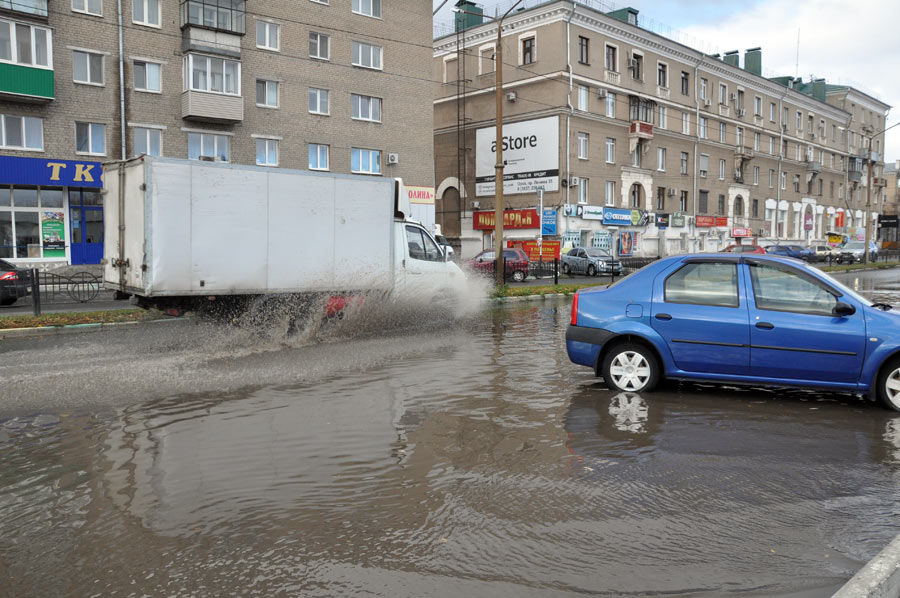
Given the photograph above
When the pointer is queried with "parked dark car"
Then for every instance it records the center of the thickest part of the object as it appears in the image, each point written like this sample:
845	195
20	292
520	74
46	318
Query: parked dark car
590	261
745	319
515	263
15	283
853	252
795	251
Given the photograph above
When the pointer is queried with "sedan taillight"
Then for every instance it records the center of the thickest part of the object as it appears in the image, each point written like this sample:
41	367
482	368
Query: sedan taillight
9	276
574	320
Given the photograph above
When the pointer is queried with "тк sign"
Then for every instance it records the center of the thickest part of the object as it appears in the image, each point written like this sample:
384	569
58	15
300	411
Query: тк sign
56	173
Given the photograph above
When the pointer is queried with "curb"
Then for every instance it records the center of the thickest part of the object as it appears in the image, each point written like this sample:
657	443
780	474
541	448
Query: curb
879	578
15	333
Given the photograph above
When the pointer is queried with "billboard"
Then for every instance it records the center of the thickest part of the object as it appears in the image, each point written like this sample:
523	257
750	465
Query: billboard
530	152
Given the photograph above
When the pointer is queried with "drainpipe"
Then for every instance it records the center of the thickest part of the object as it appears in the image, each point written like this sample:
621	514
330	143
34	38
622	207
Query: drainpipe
780	165
694	191
571	110
121	85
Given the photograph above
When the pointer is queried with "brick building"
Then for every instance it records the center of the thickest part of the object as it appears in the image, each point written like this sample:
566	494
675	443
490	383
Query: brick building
634	133
331	85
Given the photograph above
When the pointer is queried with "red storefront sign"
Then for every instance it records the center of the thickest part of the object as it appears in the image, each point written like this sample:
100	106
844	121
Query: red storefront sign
511	219
741	232
705	221
551	249
839	220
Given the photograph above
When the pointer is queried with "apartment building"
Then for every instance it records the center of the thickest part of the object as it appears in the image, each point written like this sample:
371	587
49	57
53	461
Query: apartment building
637	139
325	85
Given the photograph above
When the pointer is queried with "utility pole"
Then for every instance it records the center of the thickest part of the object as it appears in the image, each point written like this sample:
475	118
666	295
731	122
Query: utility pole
868	199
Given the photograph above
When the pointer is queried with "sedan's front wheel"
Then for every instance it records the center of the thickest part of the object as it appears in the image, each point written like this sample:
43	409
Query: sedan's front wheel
565	268
630	367
592	271
518	276
888	385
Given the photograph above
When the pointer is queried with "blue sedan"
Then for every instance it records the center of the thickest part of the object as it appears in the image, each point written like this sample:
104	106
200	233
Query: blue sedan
751	319
796	251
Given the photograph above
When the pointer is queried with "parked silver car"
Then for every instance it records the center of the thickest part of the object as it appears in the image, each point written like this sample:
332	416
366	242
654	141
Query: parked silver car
589	260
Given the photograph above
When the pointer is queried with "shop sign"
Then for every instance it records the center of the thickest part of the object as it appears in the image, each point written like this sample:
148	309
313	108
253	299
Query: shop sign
677	220
662	221
420	195
548	222
53	234
808	218
530	153
835	239
887	221
511	219
741	232
57	173
627	240
705	221
624	217
592	213
546	251
721	220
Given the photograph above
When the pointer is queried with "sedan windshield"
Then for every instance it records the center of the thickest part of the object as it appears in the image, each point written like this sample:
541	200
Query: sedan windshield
594	252
854	245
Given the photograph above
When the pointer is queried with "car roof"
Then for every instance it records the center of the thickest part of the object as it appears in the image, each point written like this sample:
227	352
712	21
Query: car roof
731	257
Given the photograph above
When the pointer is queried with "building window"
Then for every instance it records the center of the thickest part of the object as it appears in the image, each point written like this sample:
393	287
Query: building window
147	141
721	169
583	190
772	145
91	7
660	198
582	146
756	142
318	156
318	101
702	127
722	129
266	152
682	204
636	157
661	159
662	117
267	93
528	50
216	75
685	123
582	98
145	12
771	111
799	121
820	187
662	74
583	50
207	145
610	105
611	61
267	35
641	109
840	190
783	180
90	138
771	178
636	193
740	136
685	83
363	161
369	8
723	93
756	175
703	203
754	209
636	64
319	45
740	99
610	193
366	55
24	44
757	106
704	165
684	162
486	56
703	86
21	132
214	14
738	206
87	67
147	76
831	189
610	150
365	107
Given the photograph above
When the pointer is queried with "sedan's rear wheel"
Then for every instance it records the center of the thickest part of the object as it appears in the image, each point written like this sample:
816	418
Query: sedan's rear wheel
565	268
630	367
518	276
888	385
592	271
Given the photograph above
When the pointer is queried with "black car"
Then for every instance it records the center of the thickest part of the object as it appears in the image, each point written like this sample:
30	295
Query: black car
15	283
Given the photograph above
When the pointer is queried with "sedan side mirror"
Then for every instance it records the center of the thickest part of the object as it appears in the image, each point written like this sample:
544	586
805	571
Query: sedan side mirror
843	309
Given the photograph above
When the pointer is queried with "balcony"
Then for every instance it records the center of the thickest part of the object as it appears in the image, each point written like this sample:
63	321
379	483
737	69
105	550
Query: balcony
212	107
743	152
31	7
28	84
611	77
812	166
854	176
212	26
724	110
640	130
662	92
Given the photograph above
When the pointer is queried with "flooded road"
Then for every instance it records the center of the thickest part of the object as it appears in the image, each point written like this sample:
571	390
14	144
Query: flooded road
463	459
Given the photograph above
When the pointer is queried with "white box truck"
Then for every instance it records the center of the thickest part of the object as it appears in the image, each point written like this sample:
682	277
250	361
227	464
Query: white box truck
181	232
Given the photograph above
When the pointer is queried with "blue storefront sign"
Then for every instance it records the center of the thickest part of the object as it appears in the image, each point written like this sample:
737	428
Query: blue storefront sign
624	217
48	172
548	222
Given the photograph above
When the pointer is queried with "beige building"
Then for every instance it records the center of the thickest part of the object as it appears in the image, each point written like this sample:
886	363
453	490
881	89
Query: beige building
608	118
330	85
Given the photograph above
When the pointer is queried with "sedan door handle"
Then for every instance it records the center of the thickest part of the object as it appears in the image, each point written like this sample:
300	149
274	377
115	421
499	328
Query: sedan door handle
663	317
765	325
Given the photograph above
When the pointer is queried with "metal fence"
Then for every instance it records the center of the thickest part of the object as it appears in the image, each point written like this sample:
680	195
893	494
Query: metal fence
48	288
549	270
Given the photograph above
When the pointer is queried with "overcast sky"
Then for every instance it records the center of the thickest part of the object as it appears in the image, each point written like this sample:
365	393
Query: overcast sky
852	43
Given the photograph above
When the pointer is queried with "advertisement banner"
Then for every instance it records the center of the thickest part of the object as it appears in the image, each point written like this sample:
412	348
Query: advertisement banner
511	219
808	218
592	213
530	153
887	221
705	221
662	221
53	234
678	220
741	232
721	220
627	240
624	217
548	222
420	195
551	249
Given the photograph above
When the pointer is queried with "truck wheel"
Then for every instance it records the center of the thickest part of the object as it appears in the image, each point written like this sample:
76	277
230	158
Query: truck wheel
592	271
630	367
518	276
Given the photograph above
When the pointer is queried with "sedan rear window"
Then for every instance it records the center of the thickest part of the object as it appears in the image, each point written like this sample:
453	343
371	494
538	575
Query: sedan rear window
706	283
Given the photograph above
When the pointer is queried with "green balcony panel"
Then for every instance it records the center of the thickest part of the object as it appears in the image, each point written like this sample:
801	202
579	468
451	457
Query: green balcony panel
26	81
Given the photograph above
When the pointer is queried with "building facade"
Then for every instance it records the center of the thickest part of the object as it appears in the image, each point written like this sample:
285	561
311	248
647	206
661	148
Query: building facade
639	141
329	85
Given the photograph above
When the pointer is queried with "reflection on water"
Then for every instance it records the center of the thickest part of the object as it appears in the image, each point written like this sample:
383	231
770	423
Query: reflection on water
471	460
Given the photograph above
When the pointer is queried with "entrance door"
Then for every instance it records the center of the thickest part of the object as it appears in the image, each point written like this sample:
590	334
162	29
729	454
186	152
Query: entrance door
86	218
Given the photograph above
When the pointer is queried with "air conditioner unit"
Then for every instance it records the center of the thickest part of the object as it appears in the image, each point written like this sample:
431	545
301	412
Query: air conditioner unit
632	63
784	128
476	205
707	101
732	96
601	93
393	158
573	182
703	173
671	192
812	135
511	96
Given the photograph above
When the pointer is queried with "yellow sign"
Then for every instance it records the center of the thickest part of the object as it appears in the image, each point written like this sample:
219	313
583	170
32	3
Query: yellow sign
421	195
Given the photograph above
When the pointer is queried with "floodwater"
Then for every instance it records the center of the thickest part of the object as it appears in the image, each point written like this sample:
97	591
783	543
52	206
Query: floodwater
441	459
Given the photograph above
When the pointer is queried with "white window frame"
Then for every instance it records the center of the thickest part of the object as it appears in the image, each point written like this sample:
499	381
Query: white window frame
703	171
146	131
610	104
721	170
356	107
582	190
532	35
610	193
771	111
373	158
756	175
685	123
583	98
616	65
723	93
268	27
757	106
216	139
739	136
663	120
14	45
90	140
146	4
358	49
318	41
755	141
146	64
367	8
319	92
189	74
771	178
723	129
87	54
24	147
86	10
482	50
318	147
685	162
266	142
267	83
583	142
702	128
704	88
610	150
661	159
